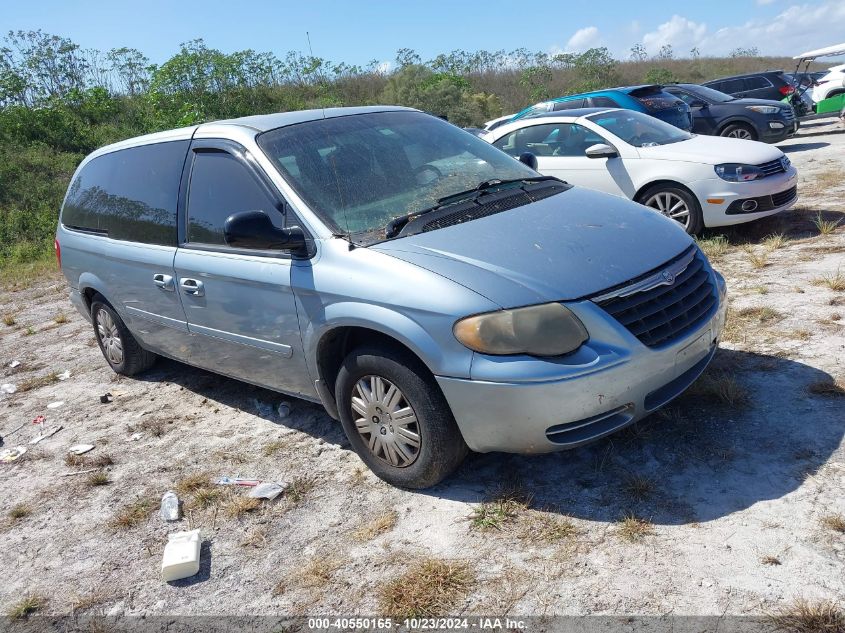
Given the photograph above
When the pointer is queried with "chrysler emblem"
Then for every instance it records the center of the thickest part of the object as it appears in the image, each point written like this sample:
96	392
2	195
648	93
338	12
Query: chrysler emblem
669	276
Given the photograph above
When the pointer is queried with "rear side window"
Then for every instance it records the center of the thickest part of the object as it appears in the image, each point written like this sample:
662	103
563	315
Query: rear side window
755	83
130	194
220	186
572	104
731	86
603	102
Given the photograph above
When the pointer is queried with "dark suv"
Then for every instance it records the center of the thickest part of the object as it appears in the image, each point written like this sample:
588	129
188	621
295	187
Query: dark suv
772	84
717	113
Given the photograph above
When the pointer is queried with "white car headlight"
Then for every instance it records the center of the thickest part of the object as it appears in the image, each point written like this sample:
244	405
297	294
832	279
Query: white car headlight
549	329
737	172
763	109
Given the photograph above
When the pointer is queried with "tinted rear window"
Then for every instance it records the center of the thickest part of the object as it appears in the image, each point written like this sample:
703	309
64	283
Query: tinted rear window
755	83
657	100
572	104
130	194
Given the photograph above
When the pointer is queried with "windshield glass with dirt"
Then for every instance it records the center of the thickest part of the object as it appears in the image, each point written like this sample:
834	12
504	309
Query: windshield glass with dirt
360	172
639	130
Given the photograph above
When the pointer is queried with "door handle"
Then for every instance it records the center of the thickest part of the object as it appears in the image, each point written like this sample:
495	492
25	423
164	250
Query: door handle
165	282
192	287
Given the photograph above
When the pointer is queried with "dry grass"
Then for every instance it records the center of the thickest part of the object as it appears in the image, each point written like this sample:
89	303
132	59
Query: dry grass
430	588
271	448
761	290
763	314
134	513
36	382
206	497
835	522
758	260
775	241
804	616
86	461
377	526
89	601
98	479
508	502
714	247
9	319
29	331
545	528
237	507
632	528
834	281
193	484
638	487
770	560
256	538
825	227
20	511
721	387
316	574
800	334
60	318
300	488
154	426
27	606
828	388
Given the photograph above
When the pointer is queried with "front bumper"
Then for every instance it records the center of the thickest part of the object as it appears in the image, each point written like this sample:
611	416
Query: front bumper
613	381
722	193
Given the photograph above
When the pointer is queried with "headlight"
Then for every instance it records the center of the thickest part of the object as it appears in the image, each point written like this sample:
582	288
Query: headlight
543	330
736	172
764	109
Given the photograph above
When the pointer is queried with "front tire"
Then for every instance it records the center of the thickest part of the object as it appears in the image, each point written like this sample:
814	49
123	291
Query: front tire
676	204
120	349
397	419
740	131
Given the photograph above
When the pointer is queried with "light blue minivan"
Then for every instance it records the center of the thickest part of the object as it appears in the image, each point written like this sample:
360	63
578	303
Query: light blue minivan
433	293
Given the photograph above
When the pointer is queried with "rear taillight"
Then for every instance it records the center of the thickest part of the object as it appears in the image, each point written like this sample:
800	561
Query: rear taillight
786	90
58	252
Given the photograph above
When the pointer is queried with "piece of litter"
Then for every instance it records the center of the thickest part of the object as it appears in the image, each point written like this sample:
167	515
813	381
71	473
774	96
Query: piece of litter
10	455
79	449
181	556
266	490
8	388
106	398
80	472
64	375
135	437
284	410
169	506
237	481
44	436
55	405
14	364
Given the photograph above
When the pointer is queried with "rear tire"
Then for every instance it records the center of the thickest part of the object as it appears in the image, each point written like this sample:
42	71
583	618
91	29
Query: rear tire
120	349
396	418
675	203
739	130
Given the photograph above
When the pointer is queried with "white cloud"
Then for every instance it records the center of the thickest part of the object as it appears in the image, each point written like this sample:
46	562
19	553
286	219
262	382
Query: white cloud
583	39
679	33
796	28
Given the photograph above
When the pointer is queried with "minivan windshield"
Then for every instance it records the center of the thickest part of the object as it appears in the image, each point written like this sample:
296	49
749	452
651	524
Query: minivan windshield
638	129
359	172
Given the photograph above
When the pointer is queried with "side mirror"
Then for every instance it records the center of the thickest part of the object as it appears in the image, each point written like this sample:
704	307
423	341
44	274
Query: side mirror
254	230
527	158
698	104
601	150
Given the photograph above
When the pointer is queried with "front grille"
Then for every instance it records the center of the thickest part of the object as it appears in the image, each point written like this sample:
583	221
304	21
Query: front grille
663	312
789	114
504	202
772	167
764	203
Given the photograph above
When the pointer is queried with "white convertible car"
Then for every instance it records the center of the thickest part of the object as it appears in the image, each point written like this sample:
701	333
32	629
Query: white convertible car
700	181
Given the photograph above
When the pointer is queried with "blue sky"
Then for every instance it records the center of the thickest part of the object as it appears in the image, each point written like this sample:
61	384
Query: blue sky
357	32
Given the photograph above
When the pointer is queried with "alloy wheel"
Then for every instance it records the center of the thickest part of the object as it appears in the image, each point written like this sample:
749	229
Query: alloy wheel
671	205
109	337
386	421
740	133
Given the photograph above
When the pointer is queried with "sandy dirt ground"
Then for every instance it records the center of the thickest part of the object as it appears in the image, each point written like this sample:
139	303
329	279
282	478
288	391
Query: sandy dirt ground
724	503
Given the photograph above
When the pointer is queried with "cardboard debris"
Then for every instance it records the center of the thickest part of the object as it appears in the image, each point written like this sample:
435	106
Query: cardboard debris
80	449
9	455
55	405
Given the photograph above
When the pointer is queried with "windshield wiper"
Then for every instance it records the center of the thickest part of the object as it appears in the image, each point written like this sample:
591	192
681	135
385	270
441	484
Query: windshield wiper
395	226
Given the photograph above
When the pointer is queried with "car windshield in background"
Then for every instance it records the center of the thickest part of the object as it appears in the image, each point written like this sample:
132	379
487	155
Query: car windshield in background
639	130
360	172
711	94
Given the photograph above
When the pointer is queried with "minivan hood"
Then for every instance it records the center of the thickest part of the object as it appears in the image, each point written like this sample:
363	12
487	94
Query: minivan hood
713	150
568	246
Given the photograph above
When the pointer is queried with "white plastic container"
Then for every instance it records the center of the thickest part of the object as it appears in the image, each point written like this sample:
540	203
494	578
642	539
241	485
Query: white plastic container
181	556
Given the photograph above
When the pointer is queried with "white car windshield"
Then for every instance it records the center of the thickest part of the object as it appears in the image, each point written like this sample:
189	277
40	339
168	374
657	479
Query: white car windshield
639	130
360	172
